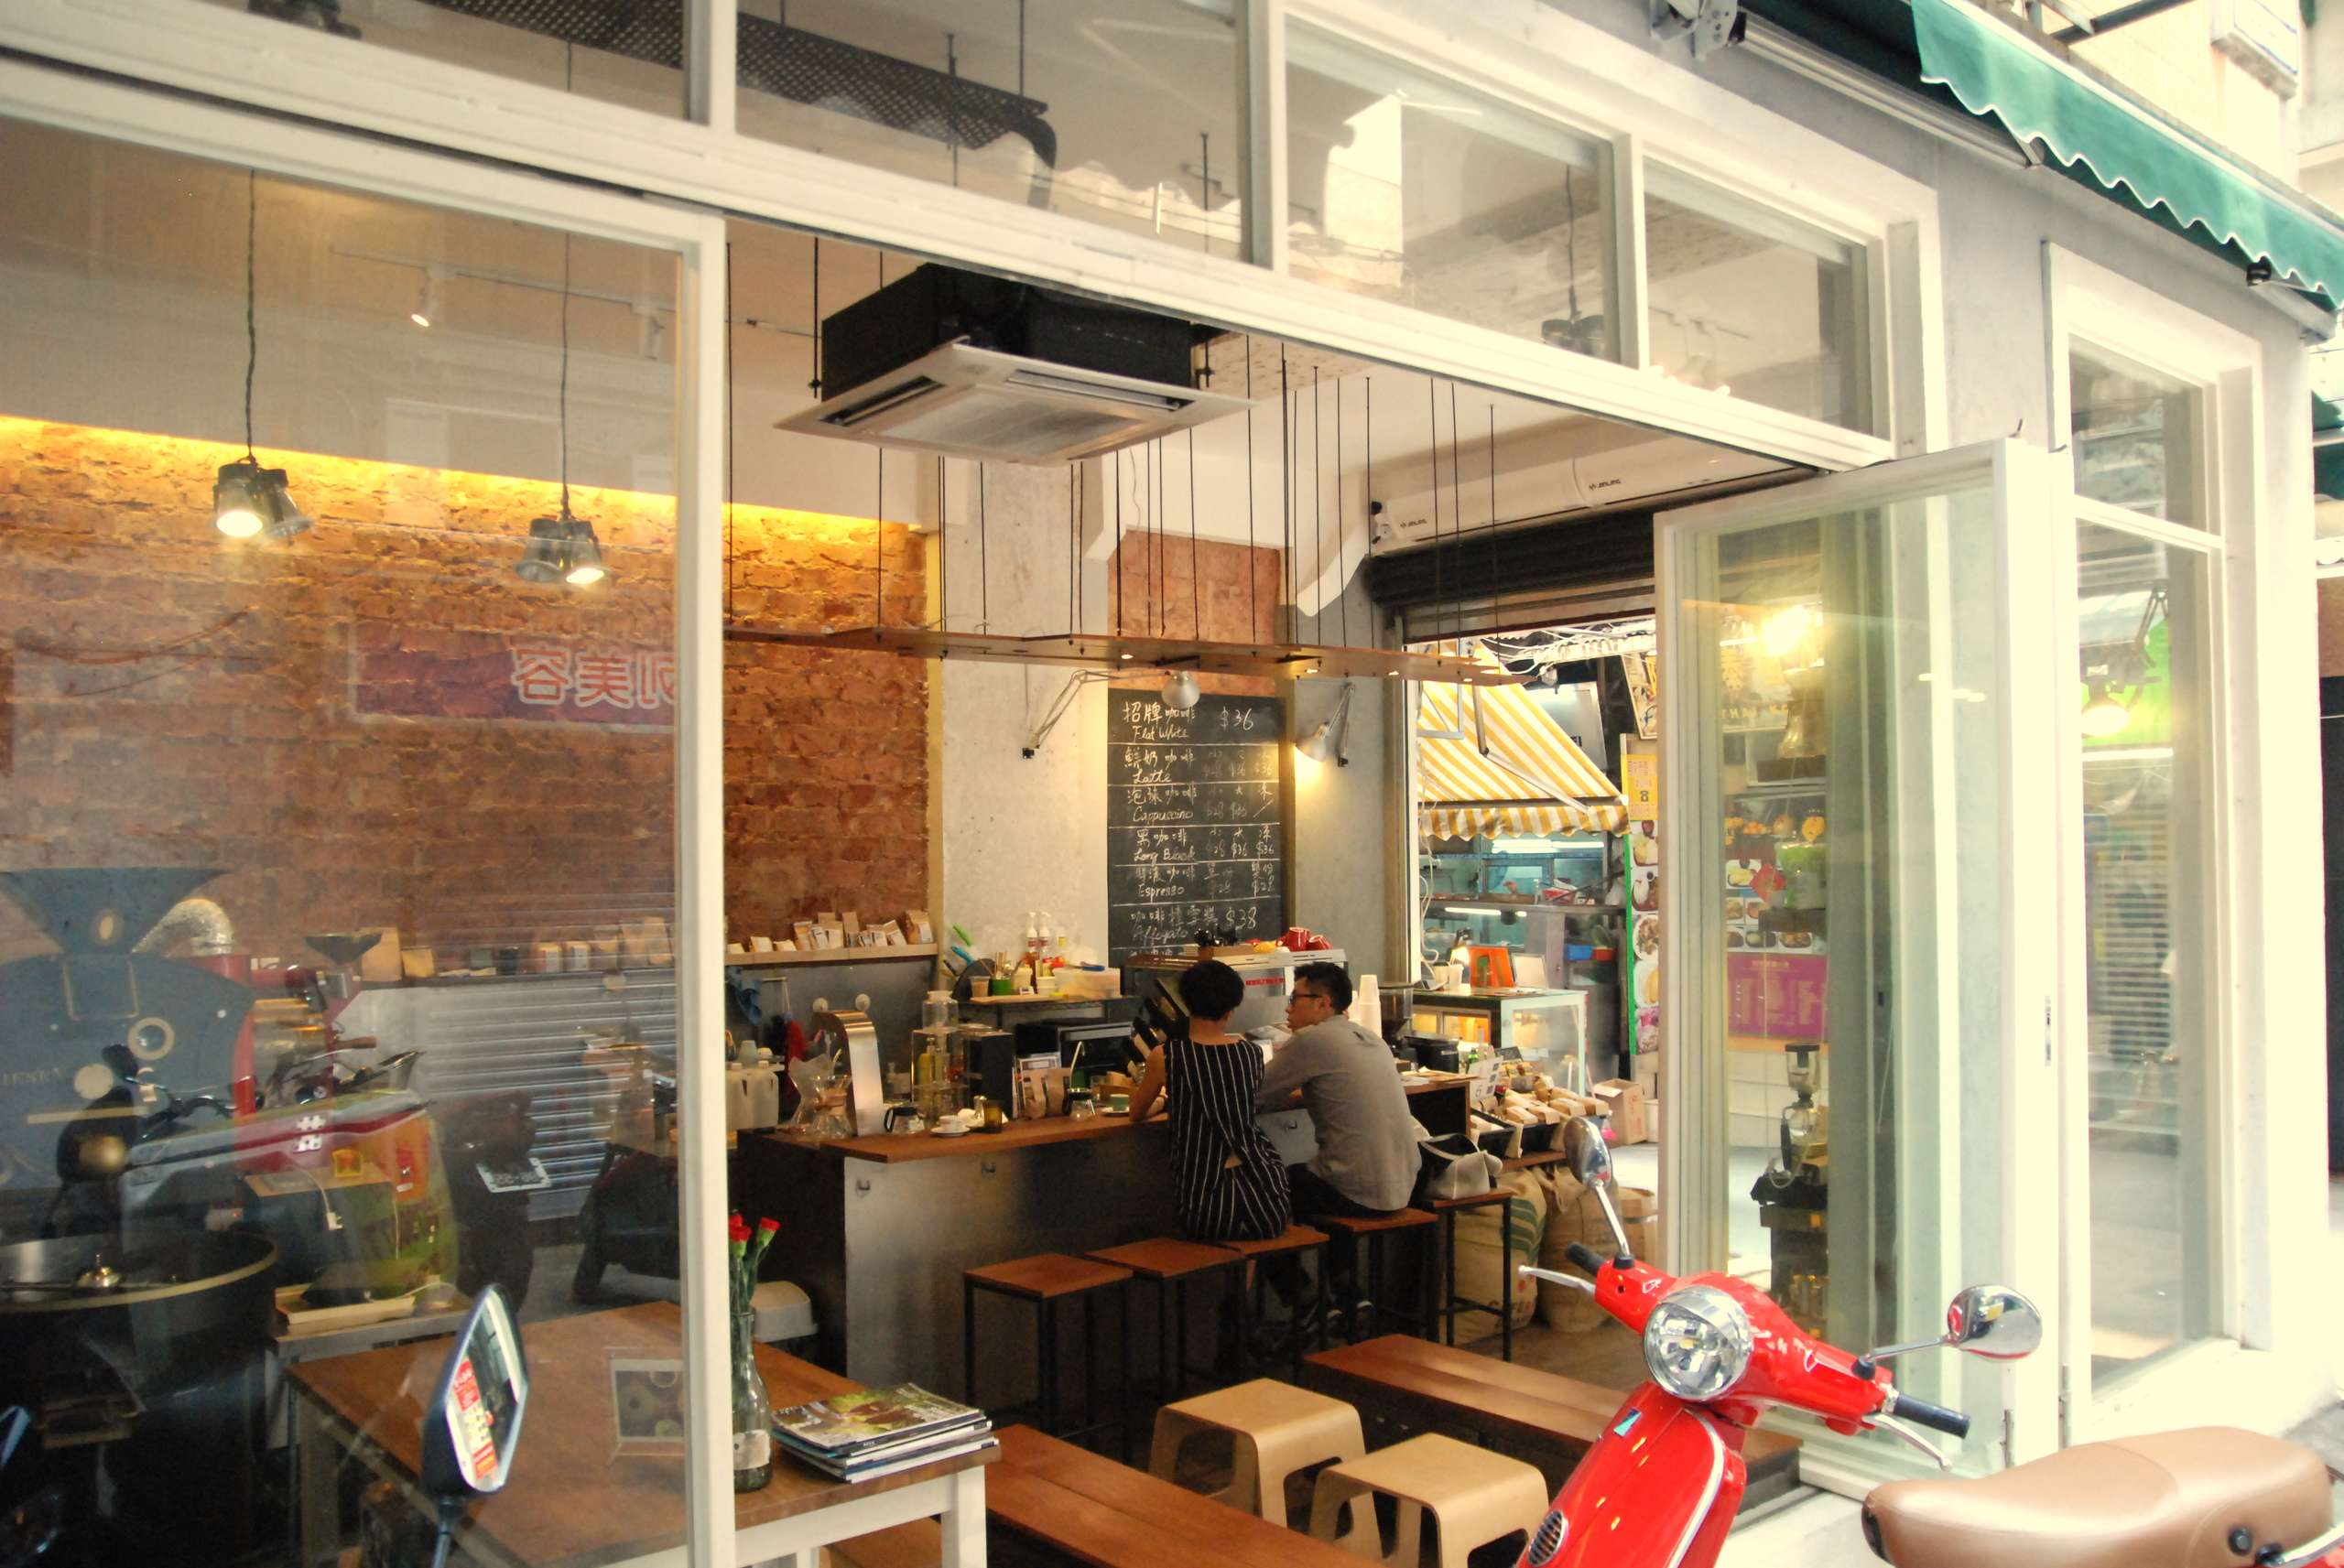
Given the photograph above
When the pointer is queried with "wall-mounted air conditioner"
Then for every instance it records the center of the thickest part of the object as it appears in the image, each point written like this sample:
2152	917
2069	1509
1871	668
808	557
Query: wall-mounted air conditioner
1672	470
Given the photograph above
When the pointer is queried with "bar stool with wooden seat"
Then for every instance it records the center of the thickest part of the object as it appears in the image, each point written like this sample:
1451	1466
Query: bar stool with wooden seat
1475	1497
1296	1239
1275	1431
1046	1279
1373	1229
1169	1264
1447	1303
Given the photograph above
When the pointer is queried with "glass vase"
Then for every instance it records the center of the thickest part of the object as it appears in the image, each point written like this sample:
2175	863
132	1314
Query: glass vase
752	1410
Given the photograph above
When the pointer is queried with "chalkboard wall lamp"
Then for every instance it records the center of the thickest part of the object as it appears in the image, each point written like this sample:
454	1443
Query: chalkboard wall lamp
1332	737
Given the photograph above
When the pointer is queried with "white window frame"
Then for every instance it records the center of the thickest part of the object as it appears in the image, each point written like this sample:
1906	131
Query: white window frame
200	130
2267	1136
1540	56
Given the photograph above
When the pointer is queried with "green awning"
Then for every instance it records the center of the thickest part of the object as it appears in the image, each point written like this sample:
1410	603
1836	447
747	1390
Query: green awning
1995	70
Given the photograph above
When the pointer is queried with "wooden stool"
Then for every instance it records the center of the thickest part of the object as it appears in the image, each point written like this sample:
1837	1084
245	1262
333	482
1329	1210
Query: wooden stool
1276	1430
1474	1495
1170	1264
1046	1279
1450	1304
1296	1238
1374	1229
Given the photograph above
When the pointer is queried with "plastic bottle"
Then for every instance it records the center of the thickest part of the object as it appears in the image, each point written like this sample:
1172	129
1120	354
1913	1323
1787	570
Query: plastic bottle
937	1010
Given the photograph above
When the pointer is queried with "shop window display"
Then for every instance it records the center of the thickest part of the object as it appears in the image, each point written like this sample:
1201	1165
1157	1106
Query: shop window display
336	850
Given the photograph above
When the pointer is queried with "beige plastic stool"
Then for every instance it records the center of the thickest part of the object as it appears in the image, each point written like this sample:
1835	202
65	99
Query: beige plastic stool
1474	1495
1277	1429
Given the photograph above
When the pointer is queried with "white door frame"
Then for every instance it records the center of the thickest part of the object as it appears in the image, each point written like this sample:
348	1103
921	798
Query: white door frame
1694	1172
2275	1365
207	131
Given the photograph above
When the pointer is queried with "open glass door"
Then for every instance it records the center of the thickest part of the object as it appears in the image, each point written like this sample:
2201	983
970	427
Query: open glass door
1856	820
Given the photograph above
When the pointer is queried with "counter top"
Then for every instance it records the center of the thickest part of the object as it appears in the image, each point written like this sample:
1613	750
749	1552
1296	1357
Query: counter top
890	1148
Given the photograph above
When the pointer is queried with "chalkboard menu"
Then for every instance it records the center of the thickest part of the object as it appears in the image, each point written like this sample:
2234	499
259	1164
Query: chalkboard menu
1196	825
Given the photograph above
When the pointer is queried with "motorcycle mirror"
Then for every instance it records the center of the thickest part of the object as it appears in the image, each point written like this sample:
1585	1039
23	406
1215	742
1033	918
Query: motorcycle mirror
1590	1161
1992	1321
473	1422
1591	1164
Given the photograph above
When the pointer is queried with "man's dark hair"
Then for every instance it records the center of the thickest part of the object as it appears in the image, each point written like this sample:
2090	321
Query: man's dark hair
1210	990
1332	978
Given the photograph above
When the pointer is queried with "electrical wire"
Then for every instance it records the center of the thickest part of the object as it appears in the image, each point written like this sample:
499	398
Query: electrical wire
1195	583
732	550
251	290
1252	576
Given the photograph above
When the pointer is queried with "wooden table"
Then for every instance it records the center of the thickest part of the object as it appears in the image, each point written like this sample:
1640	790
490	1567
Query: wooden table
1112	1516
572	1503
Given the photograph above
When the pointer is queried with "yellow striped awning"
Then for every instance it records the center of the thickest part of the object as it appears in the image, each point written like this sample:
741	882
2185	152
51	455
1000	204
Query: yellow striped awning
1490	761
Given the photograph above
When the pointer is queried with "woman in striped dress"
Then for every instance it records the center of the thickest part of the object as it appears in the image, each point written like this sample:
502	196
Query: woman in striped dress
1231	1184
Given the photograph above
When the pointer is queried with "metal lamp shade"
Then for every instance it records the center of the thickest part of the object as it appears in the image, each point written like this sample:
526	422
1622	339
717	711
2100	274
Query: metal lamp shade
281	517
546	557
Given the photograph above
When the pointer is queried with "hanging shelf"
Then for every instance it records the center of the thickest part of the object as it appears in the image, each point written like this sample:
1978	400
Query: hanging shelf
1140	655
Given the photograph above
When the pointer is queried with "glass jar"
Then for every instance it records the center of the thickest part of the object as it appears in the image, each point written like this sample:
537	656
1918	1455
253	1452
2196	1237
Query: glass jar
1079	1105
752	1409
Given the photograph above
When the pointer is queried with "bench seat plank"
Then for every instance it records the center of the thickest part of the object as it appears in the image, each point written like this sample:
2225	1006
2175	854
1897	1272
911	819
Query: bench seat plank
1112	1516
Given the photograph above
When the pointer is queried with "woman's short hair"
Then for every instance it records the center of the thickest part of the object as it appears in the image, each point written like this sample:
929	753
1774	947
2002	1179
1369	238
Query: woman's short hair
1211	990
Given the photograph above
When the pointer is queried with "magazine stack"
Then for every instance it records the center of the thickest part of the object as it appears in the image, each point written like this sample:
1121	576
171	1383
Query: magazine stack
861	1437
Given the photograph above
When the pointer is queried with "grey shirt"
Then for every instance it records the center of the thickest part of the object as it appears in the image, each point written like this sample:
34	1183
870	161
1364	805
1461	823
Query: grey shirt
1367	1136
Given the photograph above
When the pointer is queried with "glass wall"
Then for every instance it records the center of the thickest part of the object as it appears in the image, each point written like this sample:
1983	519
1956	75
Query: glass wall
1120	111
1836	699
2149	964
337	878
628	55
1745	301
1403	186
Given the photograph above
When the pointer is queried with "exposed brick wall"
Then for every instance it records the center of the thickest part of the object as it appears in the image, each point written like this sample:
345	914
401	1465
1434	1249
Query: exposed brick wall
176	698
1152	581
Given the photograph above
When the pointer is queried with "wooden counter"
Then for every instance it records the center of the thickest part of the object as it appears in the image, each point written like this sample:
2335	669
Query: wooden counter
890	1147
878	1230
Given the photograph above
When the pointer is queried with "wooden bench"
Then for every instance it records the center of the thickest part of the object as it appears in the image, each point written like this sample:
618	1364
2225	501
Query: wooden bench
1097	1512
1072	1503
1522	1405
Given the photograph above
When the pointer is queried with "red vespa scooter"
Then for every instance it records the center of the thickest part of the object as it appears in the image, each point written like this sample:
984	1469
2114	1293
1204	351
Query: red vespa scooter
1661	1488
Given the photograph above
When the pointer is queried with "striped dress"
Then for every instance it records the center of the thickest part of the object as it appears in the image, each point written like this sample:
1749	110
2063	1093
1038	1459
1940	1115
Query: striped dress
1210	1095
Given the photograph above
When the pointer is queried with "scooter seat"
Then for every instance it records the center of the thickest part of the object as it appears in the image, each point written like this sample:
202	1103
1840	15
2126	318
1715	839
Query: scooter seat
2177	1499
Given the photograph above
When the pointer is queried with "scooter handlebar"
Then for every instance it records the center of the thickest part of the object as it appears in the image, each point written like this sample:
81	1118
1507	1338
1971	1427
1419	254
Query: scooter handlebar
1585	1257
1920	1413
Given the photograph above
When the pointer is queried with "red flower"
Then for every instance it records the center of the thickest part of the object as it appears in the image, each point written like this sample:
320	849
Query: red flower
768	1225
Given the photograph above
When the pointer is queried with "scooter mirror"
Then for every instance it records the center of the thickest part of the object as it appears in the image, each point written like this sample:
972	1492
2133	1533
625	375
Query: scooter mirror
1590	1161
1993	1321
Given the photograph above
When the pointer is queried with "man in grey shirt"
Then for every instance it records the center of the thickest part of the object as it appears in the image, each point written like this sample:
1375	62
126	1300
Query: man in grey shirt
1367	1161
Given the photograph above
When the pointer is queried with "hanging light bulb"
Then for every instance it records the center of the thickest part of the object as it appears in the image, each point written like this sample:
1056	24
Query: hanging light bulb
2103	715
235	505
1179	693
1786	630
585	567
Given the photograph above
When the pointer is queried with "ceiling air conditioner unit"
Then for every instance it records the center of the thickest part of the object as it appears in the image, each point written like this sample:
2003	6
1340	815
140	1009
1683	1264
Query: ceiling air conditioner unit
1674	469
969	366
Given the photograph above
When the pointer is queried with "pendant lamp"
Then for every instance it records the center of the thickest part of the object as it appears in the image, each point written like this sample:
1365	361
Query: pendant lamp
247	499
563	549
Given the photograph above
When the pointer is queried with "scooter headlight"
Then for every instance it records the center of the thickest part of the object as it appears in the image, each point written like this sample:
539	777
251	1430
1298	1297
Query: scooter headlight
1697	1343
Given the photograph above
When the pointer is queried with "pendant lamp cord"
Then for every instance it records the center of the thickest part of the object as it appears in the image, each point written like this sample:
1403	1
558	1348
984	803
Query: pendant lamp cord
568	62
252	324
1253	569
